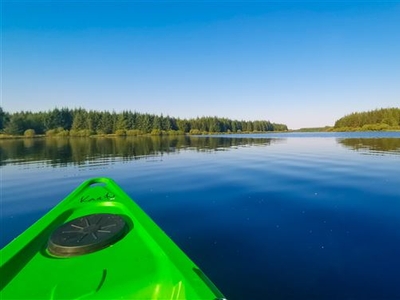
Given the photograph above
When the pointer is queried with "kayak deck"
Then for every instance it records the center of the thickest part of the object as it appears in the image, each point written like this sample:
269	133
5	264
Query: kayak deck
98	244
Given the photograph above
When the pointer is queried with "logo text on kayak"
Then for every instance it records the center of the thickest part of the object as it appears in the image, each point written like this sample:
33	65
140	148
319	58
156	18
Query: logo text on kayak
106	197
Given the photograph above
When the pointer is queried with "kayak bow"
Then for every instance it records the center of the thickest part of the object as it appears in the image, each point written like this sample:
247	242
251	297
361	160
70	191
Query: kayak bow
98	244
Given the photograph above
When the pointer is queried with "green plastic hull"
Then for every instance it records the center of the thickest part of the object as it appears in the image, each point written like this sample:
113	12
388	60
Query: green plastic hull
143	263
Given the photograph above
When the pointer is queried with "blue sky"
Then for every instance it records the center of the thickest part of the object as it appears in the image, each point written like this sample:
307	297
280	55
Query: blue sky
303	64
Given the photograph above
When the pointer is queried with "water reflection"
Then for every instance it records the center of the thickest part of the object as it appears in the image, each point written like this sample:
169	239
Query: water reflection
64	151
372	146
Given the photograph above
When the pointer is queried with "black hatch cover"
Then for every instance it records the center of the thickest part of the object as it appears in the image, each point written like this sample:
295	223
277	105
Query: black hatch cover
86	234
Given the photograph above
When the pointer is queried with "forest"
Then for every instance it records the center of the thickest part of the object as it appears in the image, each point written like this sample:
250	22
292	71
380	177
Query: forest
82	122
378	119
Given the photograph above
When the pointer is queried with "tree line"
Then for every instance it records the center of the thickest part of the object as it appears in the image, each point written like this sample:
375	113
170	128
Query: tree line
82	122
378	119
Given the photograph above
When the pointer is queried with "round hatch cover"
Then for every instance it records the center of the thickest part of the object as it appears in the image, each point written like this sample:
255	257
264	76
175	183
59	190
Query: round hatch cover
86	234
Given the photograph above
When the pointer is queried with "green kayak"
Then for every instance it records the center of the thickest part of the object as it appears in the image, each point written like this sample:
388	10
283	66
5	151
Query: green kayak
98	244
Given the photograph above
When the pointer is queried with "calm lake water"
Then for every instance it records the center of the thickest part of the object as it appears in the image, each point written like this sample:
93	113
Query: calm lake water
272	216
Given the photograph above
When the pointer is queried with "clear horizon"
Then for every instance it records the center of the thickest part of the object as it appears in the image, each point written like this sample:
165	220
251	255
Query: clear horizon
303	64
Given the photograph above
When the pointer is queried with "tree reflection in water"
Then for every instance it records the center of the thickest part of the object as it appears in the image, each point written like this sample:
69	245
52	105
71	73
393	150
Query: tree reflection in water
63	151
372	146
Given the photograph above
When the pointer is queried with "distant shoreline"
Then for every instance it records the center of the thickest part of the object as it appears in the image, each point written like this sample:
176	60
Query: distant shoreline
79	122
113	135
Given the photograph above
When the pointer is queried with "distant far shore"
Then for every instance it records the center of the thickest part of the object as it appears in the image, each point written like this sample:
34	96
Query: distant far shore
79	122
369	127
114	135
172	134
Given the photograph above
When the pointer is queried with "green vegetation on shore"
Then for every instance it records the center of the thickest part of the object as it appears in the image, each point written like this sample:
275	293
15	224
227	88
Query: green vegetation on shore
80	122
374	120
313	129
384	119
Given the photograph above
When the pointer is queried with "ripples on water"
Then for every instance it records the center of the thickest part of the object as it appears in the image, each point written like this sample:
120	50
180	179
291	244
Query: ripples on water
278	216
